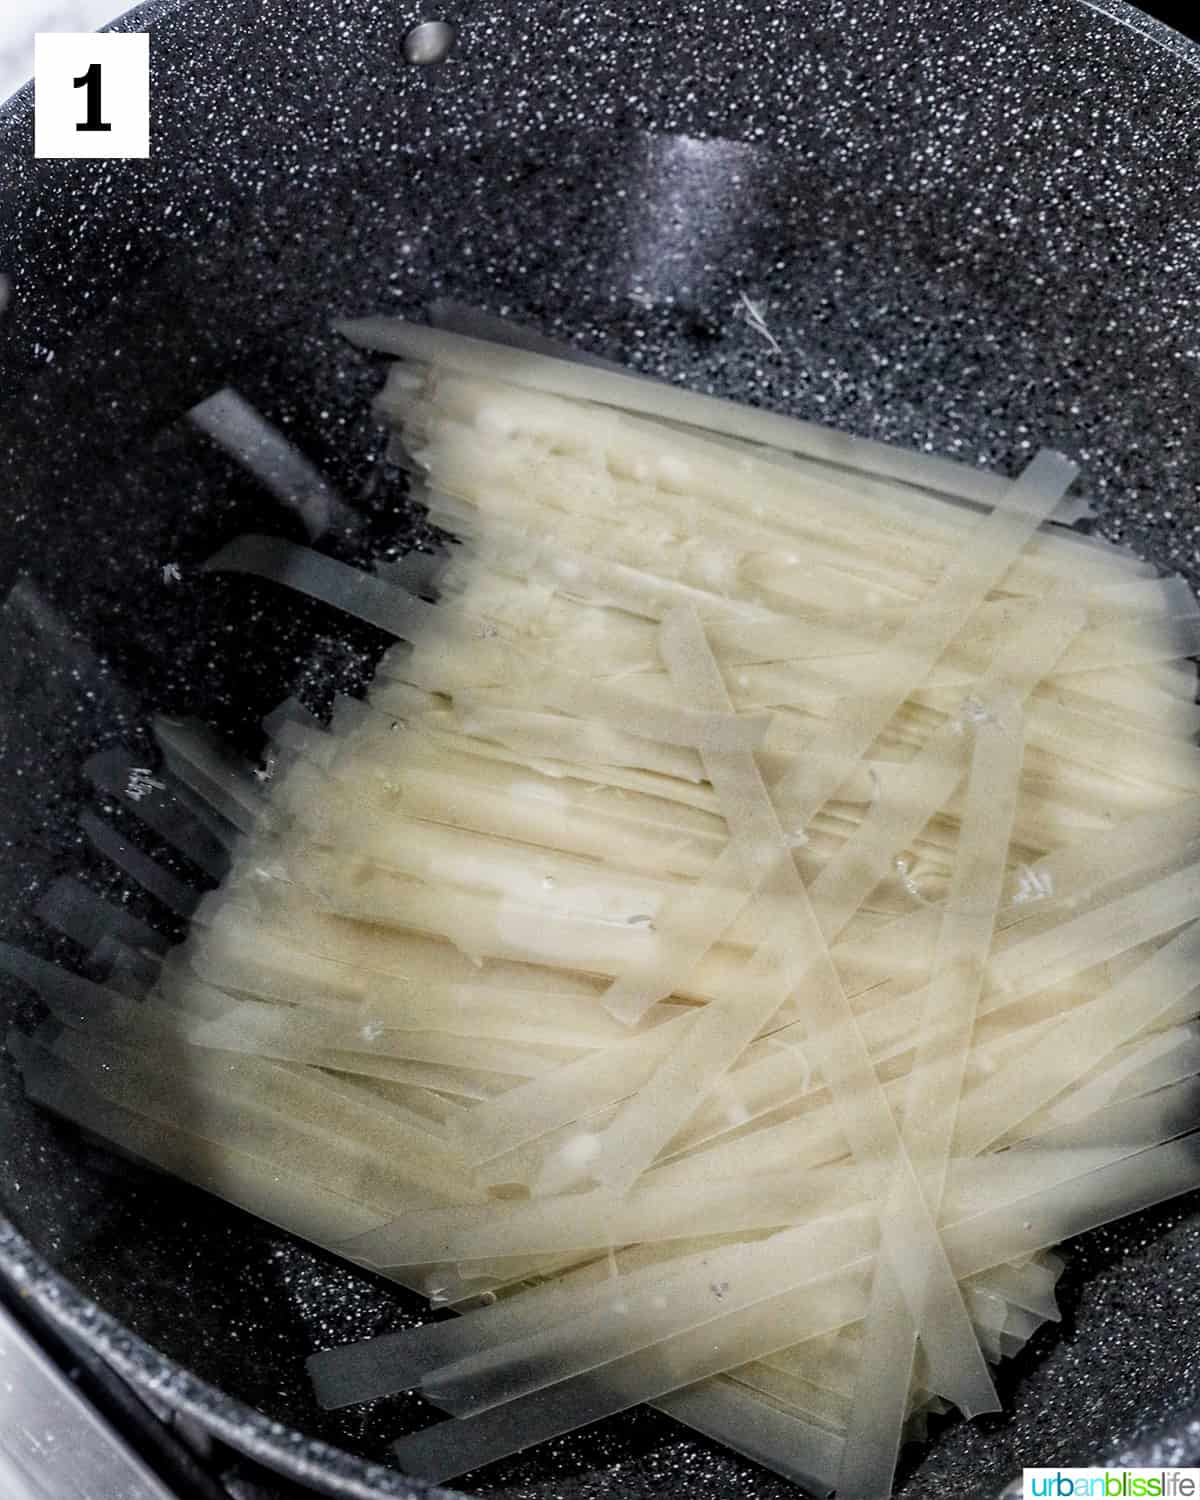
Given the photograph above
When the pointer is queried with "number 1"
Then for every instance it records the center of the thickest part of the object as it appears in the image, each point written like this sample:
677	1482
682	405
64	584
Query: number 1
91	81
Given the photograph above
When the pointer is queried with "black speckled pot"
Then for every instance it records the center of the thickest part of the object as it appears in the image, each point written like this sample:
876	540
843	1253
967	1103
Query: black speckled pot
972	225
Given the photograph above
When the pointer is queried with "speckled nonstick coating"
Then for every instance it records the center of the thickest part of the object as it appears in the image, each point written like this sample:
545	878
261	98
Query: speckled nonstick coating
972	226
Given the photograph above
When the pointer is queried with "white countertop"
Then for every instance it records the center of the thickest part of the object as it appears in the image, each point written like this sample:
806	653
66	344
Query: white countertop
20	19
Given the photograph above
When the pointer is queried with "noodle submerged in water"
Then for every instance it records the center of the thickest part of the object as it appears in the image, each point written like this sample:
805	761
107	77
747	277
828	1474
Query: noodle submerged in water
748	924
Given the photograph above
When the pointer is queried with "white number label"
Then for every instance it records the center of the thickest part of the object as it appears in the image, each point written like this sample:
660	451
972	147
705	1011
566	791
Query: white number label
92	94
